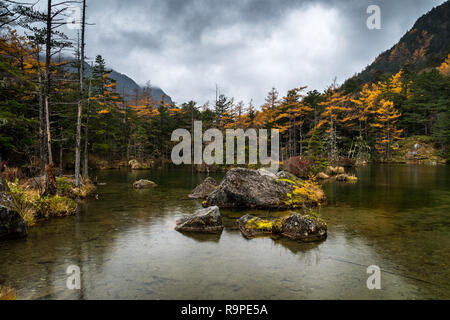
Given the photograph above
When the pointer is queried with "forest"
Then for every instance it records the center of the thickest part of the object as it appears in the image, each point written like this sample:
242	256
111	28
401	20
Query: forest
51	113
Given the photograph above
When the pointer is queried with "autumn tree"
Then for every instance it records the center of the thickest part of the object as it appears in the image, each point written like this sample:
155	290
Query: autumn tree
386	118
289	119
334	116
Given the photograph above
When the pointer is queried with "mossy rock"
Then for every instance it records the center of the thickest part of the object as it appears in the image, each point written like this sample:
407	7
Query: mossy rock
346	178
204	189
144	184
251	226
12	226
304	228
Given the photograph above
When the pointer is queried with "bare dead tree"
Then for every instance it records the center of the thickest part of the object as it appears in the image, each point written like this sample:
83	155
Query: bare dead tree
86	131
80	102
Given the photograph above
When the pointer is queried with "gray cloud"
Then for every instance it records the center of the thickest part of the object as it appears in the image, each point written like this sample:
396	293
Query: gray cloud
245	46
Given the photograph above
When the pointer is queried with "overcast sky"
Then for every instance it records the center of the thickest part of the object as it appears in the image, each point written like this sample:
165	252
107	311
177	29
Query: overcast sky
245	46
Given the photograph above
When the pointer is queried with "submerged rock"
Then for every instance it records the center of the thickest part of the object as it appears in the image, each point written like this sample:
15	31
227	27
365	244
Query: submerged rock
251	226
346	178
12	226
136	165
206	220
332	171
323	176
144	184
245	188
204	189
304	228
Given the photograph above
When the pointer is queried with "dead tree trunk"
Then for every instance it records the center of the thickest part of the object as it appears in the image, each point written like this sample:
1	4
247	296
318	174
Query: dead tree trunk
42	133
48	56
86	132
80	103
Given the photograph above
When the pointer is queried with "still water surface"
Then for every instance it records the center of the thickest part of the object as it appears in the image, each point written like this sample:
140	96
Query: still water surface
396	217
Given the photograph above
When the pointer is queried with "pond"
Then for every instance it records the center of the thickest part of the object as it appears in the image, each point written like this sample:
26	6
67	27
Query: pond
395	217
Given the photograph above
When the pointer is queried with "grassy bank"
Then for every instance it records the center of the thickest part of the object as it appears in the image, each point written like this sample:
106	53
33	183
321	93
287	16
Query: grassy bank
28	198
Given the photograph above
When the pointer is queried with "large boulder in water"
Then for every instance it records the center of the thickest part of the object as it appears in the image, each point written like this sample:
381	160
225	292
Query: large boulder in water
304	228
12	225
244	188
251	226
144	184
204	189
206	220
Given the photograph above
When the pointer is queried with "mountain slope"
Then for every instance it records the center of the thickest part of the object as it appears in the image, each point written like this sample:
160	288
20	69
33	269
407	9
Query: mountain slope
128	87
425	45
125	85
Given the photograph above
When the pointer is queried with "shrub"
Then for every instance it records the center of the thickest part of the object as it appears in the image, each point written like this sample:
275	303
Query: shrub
23	201
56	206
306	193
64	185
31	205
87	189
12	174
65	188
299	166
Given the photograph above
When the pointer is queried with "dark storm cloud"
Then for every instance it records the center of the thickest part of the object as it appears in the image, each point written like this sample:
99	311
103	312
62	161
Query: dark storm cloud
245	46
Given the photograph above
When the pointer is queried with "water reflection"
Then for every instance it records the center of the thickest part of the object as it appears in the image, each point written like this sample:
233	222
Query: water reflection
395	217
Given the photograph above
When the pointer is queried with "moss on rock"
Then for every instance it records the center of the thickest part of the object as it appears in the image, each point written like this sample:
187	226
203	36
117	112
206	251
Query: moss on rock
251	226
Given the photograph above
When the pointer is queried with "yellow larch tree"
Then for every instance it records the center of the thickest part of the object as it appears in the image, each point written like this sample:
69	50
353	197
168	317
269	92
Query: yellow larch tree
386	118
289	118
335	114
444	68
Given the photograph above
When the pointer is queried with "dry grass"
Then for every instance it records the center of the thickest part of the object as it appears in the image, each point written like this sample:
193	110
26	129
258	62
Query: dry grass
7	293
346	178
11	174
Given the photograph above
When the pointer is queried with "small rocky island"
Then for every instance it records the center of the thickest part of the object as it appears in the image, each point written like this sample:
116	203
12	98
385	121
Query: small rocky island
259	189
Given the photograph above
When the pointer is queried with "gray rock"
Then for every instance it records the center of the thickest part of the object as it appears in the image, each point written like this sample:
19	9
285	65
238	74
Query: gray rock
204	189
286	175
144	184
206	220
265	172
12	225
244	188
304	228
